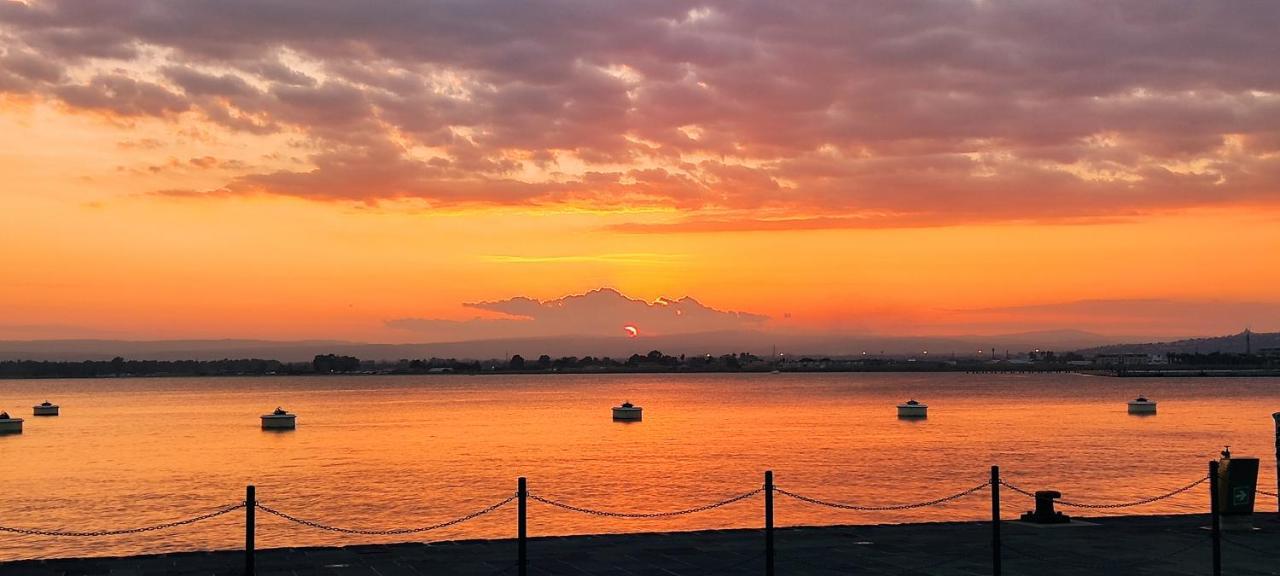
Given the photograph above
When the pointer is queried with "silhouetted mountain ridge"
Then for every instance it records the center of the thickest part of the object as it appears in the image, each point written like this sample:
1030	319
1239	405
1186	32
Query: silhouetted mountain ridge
715	343
1231	344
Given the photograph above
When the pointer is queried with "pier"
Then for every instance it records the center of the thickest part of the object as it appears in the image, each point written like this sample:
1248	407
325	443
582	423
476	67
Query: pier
1168	544
1123	545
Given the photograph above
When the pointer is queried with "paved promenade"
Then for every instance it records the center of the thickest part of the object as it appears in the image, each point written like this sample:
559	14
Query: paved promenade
1132	545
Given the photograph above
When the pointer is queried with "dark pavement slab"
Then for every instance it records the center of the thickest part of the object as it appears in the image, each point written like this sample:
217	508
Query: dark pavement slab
1131	545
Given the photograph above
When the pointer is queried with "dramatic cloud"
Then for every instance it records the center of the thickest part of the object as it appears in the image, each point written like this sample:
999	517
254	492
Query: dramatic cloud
745	115
602	312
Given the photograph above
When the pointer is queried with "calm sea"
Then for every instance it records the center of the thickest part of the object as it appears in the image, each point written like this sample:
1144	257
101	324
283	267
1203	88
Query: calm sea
392	452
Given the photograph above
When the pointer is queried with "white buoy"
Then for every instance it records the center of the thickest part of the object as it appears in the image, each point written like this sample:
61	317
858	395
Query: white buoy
45	409
627	411
279	420
1141	405
913	409
10	425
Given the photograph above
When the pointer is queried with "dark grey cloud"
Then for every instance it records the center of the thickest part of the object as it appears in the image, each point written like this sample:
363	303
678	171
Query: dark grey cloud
196	83
30	66
1026	110
119	94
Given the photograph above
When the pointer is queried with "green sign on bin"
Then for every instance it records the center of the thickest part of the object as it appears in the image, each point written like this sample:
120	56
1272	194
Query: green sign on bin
1237	483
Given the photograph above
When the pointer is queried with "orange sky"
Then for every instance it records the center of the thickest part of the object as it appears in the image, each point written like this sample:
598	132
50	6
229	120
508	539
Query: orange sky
160	186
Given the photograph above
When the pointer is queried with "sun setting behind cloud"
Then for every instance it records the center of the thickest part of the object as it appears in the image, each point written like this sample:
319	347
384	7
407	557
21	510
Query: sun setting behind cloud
595	313
628	255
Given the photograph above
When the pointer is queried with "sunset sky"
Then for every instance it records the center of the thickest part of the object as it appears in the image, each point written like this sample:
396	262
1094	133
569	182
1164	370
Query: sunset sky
390	170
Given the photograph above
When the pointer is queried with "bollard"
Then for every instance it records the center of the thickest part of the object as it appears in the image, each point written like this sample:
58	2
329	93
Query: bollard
1215	529
768	522
995	520
250	506
522	558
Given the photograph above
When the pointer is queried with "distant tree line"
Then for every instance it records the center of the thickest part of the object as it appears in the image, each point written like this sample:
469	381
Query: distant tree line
332	363
339	364
654	361
1222	359
120	367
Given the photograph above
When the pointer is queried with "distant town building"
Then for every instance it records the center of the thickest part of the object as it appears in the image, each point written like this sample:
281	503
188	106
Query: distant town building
1129	359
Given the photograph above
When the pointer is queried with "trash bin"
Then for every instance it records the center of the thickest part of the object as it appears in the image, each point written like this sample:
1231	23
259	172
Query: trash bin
1237	484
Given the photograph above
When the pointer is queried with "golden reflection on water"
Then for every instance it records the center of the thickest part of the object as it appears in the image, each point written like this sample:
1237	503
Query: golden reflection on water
395	452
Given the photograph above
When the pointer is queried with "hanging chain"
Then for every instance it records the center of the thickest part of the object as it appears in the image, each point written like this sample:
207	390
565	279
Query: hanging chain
1071	504
1017	489
883	508
593	512
94	533
390	532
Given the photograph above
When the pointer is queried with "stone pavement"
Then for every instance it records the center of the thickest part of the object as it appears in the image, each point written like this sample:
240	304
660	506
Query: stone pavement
1130	545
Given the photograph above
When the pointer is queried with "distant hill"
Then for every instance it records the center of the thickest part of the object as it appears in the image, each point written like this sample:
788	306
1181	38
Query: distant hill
756	342
1234	344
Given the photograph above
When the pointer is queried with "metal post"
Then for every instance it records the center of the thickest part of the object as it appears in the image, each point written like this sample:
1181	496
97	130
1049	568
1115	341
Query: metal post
995	520
250	506
1276	416
522	527
768	522
1216	528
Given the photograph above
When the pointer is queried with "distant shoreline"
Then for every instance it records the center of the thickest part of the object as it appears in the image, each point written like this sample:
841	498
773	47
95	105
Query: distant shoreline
1193	373
1146	373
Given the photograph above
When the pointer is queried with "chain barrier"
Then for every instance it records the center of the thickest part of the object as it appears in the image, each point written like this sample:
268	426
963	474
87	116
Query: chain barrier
1265	493
152	528
390	532
1071	504
1017	489
884	508
605	513
594	512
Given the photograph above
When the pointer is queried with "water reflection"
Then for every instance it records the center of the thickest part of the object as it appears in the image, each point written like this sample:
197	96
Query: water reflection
440	446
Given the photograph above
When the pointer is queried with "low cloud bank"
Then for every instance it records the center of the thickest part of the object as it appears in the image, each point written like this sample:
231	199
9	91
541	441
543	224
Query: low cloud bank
603	312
